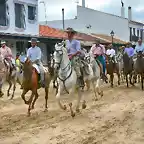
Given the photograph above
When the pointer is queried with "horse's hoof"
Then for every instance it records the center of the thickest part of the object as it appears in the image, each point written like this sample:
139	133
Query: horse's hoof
73	114
77	110
96	99
45	110
70	104
84	106
101	93
27	102
32	107
28	114
66	107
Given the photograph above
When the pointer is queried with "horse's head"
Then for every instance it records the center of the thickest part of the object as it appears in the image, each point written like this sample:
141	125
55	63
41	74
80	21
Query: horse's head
58	55
87	57
27	68
139	54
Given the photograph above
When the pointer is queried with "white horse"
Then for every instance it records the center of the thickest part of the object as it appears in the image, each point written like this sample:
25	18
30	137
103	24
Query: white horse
67	78
95	76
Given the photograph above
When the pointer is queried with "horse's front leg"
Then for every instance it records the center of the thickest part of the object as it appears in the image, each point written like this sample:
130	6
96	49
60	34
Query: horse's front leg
59	98
36	97
127	80
14	88
130	79
1	84
100	92
10	85
142	81
30	102
46	97
111	79
23	95
118	75
94	89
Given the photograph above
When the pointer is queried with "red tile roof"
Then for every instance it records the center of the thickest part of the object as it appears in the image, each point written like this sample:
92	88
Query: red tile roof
108	38
47	31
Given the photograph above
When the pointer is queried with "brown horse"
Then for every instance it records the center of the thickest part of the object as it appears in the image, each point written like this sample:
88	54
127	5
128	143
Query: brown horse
31	81
139	68
128	68
111	69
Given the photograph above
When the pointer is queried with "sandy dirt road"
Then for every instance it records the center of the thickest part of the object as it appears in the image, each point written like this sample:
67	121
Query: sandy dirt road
117	118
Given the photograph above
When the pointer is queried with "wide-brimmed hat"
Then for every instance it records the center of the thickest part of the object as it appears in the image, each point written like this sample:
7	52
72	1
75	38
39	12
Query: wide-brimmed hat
3	42
69	29
33	40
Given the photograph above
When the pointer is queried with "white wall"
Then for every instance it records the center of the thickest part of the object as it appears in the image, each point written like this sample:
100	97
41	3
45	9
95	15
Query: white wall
32	29
101	23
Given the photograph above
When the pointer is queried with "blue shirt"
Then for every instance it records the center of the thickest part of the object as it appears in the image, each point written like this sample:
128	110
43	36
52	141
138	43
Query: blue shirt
139	48
73	46
34	53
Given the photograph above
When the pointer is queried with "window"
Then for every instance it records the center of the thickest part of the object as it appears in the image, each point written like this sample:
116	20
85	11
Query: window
130	34
134	31
19	15
138	32
141	34
20	47
31	12
3	19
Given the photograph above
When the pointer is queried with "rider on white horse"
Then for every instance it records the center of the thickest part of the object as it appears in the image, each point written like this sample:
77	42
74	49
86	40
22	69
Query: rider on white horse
34	54
74	50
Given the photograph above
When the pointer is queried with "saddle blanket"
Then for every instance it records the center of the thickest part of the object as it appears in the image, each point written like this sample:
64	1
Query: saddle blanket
38	70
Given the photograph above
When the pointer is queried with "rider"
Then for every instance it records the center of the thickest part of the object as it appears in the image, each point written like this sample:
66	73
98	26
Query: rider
7	55
98	52
129	50
139	47
34	54
74	50
111	52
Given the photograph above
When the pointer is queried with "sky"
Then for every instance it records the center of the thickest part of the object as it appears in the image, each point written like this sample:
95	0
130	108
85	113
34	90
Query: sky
54	8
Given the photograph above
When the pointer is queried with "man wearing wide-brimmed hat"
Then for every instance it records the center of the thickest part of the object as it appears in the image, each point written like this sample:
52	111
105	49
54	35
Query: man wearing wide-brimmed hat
129	50
7	54
35	55
74	50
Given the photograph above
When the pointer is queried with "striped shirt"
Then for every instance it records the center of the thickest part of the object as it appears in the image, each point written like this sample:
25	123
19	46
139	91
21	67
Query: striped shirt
98	50
6	52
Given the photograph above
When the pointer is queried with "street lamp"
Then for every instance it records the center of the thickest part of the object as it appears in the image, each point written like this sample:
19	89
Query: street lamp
112	35
43	2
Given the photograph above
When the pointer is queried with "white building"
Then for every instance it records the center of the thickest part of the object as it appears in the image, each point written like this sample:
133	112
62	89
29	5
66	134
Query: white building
93	21
18	22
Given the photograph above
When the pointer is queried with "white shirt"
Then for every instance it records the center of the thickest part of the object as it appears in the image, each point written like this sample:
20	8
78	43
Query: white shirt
34	53
110	52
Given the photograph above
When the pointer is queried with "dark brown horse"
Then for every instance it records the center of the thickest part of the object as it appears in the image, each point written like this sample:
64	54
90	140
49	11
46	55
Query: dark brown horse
112	68
139	67
128	68
31	81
